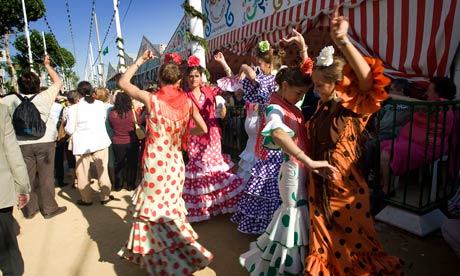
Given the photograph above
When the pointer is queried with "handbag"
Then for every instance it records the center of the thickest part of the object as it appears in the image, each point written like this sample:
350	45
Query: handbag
70	140
140	130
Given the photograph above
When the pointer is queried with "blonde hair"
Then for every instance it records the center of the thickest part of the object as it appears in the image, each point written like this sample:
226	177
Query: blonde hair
333	72
102	94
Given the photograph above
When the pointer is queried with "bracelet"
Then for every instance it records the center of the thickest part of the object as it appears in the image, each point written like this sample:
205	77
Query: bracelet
343	43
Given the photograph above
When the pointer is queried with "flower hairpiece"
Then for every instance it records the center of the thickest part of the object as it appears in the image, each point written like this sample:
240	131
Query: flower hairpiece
174	57
193	61
263	46
307	67
326	57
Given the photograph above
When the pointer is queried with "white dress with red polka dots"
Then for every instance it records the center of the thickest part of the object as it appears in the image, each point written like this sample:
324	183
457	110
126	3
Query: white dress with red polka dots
210	187
161	239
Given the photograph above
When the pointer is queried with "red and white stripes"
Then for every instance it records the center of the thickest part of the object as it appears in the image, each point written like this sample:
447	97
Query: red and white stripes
416	39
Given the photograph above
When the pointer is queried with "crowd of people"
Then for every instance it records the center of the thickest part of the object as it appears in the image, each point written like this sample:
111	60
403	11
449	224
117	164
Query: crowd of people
299	185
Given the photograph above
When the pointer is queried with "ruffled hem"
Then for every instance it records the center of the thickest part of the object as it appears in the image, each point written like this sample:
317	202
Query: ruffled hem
206	200
247	159
363	263
245	175
229	84
362	102
183	260
250	225
213	183
199	169
281	250
146	208
258	206
200	214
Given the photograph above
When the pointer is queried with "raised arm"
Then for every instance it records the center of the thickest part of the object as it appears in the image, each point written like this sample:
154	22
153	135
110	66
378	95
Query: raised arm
200	125
248	72
219	57
339	28
132	90
298	39
57	82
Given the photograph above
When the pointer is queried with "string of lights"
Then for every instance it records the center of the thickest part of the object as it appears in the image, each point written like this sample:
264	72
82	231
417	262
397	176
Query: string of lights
90	31
71	29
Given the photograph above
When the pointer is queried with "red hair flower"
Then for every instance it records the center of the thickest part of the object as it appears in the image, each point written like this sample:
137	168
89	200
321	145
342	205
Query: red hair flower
174	57
193	61
307	67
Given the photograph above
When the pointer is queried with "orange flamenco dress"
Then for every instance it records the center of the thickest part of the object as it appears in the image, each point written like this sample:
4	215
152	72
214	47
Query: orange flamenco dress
343	240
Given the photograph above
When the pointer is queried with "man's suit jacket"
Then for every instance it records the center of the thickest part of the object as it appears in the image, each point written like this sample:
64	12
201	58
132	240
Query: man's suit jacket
14	178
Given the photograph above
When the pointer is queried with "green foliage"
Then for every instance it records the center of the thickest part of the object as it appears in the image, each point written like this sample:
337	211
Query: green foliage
60	57
192	12
11	14
199	40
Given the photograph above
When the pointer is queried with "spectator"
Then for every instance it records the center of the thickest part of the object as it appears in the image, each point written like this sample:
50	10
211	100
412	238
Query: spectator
14	190
124	142
39	153
103	95
86	125
424	124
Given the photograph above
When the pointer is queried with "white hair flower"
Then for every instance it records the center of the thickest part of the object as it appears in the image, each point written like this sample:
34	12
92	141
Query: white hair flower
326	57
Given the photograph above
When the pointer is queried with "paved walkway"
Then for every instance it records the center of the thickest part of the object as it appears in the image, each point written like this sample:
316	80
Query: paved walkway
84	242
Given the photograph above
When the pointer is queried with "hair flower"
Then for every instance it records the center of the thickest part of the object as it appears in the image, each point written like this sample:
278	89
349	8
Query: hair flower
326	57
193	61
307	67
263	46
174	57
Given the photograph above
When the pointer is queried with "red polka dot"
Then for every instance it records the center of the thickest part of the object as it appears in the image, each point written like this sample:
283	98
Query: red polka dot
193	251
160	178
173	169
159	148
136	237
168	177
166	142
160	206
152	170
146	210
185	271
157	191
160	163
176	265
146	228
152	155
144	238
167	190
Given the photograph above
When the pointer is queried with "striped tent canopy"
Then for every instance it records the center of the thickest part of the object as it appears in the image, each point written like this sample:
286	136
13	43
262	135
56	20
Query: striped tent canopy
416	39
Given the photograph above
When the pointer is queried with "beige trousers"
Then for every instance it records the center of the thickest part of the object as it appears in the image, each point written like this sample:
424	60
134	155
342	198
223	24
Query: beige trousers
83	162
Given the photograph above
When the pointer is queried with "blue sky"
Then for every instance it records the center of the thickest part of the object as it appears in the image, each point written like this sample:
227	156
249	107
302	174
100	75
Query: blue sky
154	19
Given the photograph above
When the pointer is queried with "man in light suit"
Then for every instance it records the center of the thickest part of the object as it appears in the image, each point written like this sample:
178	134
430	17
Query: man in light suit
14	190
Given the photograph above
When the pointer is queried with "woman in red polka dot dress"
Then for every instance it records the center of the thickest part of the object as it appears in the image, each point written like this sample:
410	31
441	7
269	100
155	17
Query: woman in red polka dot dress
210	188
161	239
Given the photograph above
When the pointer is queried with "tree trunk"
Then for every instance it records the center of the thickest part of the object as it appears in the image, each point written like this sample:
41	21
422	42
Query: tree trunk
12	71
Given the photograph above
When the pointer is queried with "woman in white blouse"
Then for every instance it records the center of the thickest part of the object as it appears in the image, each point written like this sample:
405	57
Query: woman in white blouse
86	124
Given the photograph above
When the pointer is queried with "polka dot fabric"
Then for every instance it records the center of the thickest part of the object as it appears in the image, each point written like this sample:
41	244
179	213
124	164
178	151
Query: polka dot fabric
347	244
161	238
261	186
210	186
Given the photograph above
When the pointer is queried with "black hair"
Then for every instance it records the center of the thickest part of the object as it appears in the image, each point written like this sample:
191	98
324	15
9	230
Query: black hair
122	104
444	87
29	83
293	76
86	91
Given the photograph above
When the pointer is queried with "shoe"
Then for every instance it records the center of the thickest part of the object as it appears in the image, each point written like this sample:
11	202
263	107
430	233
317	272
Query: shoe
58	211
84	203
31	216
104	202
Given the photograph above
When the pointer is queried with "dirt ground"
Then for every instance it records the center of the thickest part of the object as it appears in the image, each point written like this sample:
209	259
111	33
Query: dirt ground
84	242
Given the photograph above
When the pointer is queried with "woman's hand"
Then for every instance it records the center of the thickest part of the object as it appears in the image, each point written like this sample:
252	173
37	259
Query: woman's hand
324	169
148	54
297	38
339	27
219	57
46	60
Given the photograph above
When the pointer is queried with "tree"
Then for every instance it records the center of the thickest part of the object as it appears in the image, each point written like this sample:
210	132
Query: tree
60	57
12	21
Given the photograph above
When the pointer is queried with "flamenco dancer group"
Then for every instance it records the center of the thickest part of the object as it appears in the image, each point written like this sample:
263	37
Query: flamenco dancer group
298	185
